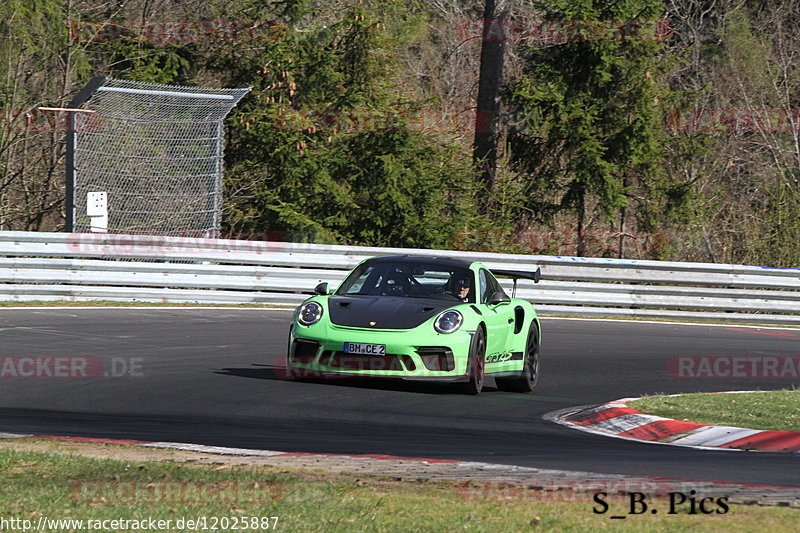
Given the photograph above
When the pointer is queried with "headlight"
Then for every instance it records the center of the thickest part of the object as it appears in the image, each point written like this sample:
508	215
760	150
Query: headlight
448	322
309	314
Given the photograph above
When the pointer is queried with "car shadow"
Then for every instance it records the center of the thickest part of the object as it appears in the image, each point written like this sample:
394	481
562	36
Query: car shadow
278	373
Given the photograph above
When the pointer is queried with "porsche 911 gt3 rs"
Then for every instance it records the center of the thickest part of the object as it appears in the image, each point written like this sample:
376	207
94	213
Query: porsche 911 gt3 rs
419	318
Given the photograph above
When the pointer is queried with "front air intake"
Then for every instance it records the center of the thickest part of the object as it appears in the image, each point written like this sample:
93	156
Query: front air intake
437	358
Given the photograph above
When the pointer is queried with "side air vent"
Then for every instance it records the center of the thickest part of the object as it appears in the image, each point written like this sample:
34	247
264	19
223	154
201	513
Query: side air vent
519	319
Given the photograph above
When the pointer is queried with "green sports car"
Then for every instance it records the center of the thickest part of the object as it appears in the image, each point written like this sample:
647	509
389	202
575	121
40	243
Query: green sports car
419	318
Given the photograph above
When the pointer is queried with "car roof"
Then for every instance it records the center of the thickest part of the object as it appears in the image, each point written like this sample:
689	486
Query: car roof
444	261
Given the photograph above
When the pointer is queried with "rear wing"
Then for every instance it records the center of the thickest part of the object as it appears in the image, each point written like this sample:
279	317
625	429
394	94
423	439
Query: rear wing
518	274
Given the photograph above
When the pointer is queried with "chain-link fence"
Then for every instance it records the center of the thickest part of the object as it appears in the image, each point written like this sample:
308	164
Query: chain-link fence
157	153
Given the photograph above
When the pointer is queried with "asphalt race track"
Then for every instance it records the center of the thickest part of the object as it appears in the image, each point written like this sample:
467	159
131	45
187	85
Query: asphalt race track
215	377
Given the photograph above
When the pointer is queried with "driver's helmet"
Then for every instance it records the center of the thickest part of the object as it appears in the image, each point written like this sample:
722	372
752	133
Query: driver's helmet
461	282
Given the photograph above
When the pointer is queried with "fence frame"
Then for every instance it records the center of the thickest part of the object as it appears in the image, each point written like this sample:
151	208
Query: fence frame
102	84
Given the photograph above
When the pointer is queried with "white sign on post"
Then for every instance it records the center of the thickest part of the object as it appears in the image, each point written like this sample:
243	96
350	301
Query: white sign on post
97	210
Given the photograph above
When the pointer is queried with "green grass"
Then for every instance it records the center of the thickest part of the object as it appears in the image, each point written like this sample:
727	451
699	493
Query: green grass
779	410
36	483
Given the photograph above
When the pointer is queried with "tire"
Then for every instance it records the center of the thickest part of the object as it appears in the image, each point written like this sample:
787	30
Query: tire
526	381
290	370
476	364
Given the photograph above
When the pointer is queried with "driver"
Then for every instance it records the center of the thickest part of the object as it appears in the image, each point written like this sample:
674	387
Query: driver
462	289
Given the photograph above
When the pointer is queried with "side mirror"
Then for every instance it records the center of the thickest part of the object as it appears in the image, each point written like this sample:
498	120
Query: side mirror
322	289
499	298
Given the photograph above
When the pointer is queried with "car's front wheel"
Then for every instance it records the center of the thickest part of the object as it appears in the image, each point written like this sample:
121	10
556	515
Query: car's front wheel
476	364
290	372
526	381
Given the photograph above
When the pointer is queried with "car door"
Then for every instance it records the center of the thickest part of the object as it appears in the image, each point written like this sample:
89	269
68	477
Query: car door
498	317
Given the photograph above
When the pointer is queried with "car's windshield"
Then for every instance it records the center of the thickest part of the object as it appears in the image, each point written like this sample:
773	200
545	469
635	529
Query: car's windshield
412	279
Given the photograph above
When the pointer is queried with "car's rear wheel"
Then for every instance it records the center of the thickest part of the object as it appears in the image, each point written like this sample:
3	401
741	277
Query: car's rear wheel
526	381
476	364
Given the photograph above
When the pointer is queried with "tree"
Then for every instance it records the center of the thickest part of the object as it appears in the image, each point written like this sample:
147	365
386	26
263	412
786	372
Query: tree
484	154
38	67
589	123
752	193
326	149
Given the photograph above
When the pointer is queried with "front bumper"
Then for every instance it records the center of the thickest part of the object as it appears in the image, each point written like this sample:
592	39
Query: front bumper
318	351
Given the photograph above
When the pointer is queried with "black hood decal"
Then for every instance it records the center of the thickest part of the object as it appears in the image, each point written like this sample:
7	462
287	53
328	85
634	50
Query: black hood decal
384	312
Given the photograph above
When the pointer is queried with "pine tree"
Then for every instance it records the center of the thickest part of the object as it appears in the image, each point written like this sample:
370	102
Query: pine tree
589	123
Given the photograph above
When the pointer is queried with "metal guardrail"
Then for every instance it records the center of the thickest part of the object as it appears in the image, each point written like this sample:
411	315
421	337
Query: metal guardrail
83	267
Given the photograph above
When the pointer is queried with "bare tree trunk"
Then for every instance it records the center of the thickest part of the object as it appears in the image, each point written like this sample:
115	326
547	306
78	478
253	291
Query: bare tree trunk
495	16
581	252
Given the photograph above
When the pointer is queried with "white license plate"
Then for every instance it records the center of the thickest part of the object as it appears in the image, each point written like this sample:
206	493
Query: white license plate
366	349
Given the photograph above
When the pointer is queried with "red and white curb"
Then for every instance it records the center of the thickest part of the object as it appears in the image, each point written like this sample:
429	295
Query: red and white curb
616	419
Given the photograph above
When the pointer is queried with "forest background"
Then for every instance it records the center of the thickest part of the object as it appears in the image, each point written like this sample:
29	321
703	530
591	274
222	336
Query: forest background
652	129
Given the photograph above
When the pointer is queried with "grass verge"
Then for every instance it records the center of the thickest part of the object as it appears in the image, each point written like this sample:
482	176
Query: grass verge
49	479
777	410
